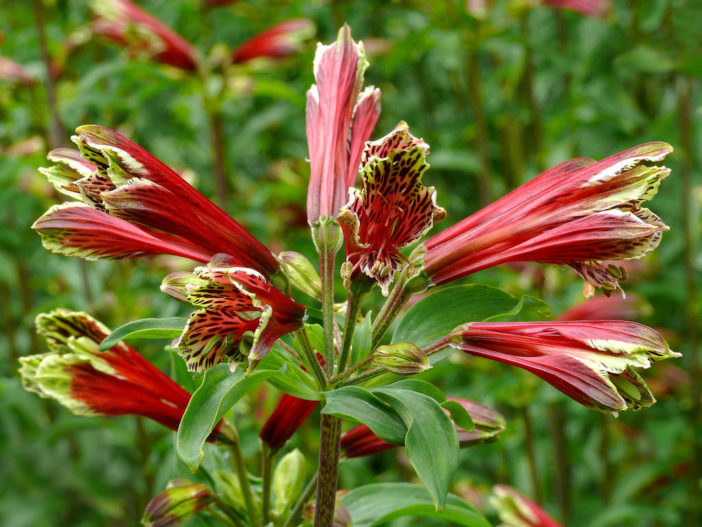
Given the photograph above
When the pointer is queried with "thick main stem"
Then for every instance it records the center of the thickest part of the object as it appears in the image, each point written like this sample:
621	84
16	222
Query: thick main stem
328	470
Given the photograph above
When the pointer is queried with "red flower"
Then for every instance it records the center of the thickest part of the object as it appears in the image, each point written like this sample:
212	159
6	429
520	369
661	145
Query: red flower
516	510
229	299
361	441
125	23
591	362
10	71
340	118
392	210
119	381
134	205
278	41
578	213
606	308
287	417
596	8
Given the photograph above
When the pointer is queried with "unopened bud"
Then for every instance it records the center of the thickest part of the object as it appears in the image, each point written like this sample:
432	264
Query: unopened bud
288	480
302	273
403	357
229	489
179	502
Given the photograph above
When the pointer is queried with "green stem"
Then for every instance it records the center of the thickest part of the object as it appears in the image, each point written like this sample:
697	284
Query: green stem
227	515
329	449
353	307
309	358
241	472
296	513
531	454
365	362
326	264
482	135
370	374
390	310
266	481
535	138
559	442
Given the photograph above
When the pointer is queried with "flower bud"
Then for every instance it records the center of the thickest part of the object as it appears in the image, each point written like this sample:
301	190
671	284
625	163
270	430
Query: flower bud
288	480
302	273
179	502
229	489
402	357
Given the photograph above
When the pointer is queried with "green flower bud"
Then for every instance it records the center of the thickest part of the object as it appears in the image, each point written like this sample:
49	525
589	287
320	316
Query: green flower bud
288	480
302	273
228	488
403	357
179	502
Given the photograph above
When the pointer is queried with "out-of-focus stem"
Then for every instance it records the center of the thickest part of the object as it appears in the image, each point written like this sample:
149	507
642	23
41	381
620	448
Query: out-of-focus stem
536	135
685	123
228	516
266	481
531	454
57	129
242	473
481	126
297	511
329	449
220	157
560	451
607	469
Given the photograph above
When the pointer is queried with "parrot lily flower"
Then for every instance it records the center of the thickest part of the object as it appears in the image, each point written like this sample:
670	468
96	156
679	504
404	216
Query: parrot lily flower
87	381
279	40
133	205
488	424
591	362
340	119
125	23
287	417
579	213
392	210
516	510
234	302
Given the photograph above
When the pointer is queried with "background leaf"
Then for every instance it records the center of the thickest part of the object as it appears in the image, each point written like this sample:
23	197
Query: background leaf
147	328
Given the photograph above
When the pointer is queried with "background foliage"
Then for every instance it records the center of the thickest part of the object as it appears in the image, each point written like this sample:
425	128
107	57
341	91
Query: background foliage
498	100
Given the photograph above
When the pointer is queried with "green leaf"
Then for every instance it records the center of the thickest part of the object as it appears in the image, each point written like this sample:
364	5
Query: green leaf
435	315
292	380
315	332
415	385
362	338
380	503
219	391
459	415
147	328
352	402
431	442
529	308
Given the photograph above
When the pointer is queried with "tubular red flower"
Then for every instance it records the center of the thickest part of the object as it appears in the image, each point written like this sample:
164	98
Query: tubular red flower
596	8
392	210
340	118
234	303
578	213
127	24
361	441
279	40
118	381
287	417
516	510
137	198
591	362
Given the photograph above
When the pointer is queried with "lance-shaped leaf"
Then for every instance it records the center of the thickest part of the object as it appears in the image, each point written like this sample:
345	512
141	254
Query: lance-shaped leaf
578	213
392	210
592	362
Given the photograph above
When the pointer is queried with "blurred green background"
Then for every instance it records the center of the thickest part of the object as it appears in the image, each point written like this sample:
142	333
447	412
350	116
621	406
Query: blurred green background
498	99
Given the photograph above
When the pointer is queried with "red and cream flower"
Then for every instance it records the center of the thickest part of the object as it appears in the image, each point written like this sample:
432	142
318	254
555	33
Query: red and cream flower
591	362
132	204
391	210
238	307
340	119
580	213
516	510
118	381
